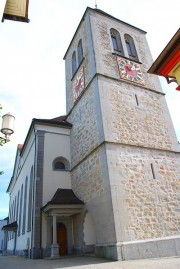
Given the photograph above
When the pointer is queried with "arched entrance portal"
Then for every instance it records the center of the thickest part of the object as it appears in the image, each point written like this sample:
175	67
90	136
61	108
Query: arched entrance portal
62	239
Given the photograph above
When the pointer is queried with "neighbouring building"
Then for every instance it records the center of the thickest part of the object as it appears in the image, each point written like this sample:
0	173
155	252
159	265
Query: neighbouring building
167	63
2	223
103	179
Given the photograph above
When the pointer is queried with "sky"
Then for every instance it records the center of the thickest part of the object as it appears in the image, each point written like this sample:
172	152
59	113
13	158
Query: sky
32	69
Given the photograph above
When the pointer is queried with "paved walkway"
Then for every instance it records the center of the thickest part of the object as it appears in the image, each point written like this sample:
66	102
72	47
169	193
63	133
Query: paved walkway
86	262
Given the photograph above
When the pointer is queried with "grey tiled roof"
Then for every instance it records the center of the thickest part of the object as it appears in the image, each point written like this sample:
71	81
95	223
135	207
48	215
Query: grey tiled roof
65	196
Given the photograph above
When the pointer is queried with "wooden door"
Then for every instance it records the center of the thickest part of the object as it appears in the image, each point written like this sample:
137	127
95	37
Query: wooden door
62	239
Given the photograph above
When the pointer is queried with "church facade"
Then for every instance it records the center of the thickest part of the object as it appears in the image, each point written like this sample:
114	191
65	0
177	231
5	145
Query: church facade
103	179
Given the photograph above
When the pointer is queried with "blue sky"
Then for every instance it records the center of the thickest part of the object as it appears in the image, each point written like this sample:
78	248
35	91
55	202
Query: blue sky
32	83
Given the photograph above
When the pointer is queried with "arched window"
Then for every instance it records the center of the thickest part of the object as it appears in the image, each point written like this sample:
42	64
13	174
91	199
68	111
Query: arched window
20	211
80	52
131	49
12	217
30	200
13	212
116	41
17	210
24	207
59	166
10	212
74	64
61	163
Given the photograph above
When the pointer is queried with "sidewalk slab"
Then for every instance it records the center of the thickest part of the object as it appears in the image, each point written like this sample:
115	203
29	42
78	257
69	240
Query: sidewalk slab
87	262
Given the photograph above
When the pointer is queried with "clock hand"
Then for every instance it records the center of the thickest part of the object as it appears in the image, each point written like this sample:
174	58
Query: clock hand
128	67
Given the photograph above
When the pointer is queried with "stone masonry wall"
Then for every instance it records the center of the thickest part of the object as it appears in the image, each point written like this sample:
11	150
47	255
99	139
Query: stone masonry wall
90	182
68	65
147	206
87	179
88	64
85	133
130	182
145	123
106	62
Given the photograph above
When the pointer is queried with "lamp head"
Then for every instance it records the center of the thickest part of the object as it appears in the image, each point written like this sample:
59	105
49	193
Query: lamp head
7	124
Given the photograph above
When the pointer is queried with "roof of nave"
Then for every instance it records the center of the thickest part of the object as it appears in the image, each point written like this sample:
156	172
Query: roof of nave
61	120
58	121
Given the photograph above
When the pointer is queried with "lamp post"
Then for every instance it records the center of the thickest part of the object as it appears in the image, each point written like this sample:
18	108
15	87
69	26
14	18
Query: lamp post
7	128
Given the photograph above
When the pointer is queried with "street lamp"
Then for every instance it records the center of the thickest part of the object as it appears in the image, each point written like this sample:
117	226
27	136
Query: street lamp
7	128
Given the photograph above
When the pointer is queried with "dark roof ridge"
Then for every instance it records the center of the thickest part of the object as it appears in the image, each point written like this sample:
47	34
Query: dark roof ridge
58	121
61	120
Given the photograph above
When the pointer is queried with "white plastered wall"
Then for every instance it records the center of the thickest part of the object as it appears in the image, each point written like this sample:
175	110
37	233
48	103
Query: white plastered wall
24	169
55	145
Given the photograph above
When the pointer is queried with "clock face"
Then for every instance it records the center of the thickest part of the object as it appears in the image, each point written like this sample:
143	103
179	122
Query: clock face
78	84
130	70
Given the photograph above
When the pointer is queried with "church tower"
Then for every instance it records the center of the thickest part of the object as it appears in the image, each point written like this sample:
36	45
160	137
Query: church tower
125	159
